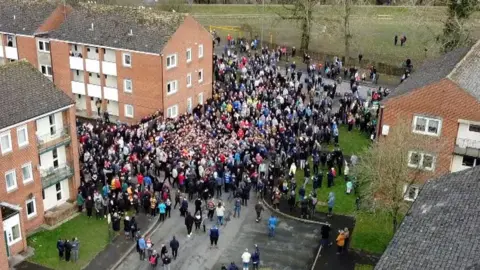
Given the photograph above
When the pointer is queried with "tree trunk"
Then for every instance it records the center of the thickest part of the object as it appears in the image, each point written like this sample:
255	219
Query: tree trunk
305	35
346	26
395	224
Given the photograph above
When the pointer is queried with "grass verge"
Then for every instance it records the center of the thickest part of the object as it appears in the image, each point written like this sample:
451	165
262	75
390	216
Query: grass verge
92	234
373	232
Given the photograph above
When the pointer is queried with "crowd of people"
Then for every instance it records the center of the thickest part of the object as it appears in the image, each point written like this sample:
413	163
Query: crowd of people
263	117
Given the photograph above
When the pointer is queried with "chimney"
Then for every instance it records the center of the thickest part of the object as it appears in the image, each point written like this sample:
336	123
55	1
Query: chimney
92	27
130	33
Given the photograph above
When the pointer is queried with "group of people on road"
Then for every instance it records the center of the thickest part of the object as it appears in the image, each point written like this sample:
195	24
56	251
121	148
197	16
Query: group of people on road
261	118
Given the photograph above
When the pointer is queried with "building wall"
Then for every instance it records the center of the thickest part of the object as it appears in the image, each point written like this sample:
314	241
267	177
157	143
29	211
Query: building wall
189	35
3	249
62	76
145	73
15	160
72	151
443	99
27	49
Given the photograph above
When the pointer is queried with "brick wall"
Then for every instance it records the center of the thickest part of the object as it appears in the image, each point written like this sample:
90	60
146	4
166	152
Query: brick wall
3	249
443	99
72	151
15	160
189	35
55	19
27	49
62	76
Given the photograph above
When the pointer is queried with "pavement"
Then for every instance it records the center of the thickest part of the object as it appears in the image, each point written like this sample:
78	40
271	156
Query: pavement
294	247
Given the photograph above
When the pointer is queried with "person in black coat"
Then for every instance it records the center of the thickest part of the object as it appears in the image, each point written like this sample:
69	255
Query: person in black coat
60	248
174	245
126	227
116	222
189	223
68	250
89	206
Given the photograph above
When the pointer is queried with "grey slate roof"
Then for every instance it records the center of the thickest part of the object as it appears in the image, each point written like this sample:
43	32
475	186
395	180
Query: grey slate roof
440	230
430	72
29	15
467	73
26	93
151	29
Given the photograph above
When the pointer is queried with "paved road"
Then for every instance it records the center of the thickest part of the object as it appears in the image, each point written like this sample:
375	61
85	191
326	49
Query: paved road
293	248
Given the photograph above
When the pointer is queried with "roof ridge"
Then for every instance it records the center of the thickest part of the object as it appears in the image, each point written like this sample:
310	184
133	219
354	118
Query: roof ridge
466	56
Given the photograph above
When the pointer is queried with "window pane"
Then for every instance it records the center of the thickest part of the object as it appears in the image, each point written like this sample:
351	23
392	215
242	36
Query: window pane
26	171
16	232
10	180
5	142
30	208
40	45
468	161
22	136
415	159
427	161
47	46
58	187
474	128
420	124
433	126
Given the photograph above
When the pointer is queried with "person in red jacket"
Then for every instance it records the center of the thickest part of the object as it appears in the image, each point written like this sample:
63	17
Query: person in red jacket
140	179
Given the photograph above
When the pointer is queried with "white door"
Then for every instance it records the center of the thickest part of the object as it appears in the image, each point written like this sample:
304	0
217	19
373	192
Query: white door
112	107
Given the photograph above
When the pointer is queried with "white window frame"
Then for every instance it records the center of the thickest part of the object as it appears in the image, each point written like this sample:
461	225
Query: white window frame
125	88
200	51
200	79
52	124
46	70
420	162
189	55
10	148
27	180
406	192
173	91
15	185
189	104
189	80
34	214
427	120
170	114
171	65
125	64
44	42
200	98
22	128
126	111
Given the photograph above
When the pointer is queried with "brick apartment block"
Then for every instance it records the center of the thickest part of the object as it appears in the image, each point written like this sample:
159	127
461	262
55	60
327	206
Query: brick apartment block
128	61
39	164
442	100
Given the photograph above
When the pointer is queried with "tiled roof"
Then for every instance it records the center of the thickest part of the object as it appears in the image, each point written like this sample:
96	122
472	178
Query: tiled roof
440	231
24	16
150	29
26	93
430	72
467	73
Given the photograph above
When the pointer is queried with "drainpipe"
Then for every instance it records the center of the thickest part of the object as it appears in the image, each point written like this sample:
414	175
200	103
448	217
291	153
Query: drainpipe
380	122
163	83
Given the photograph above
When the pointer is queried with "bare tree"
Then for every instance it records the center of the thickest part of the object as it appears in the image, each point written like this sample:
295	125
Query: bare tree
301	11
394	167
455	34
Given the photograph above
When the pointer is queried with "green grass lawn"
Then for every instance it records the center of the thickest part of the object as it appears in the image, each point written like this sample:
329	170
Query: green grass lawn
373	232
92	234
364	267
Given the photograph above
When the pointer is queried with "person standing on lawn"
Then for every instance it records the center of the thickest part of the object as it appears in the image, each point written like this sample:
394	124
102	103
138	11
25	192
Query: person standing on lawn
331	203
80	201
68	250
89	206
75	249
60	248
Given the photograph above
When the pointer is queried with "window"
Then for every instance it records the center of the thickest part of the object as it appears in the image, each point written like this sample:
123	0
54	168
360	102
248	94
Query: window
46	70
410	193
11	180
22	136
171	61
58	188
53	125
128	111
43	46
27	173
427	126
6	142
422	161
189	80
189	55
172	87
200	75
474	128
31	208
200	51
15	233
127	60
172	112
189	105
127	86
470	161
55	158
200	98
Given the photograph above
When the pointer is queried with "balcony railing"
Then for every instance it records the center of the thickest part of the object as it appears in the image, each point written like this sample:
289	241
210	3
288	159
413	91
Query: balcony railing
45	142
50	176
469	147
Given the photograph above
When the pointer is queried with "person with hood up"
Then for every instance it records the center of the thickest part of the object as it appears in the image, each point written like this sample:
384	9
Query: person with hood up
331	203
174	245
272	223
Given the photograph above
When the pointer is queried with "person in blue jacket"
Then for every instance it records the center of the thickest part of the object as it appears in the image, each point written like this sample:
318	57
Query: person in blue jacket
272	224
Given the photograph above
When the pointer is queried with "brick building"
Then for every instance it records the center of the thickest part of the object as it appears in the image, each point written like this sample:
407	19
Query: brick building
128	61
442	100
38	151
